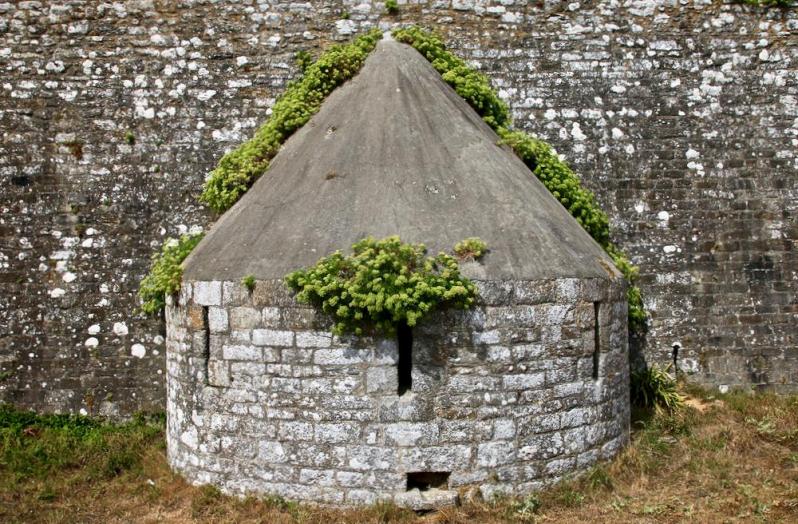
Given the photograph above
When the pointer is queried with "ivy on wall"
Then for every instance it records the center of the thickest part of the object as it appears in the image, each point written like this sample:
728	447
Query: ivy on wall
539	156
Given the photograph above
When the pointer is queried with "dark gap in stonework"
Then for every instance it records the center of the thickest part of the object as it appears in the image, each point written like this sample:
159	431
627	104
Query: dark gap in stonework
206	351
596	340
425	480
21	180
404	339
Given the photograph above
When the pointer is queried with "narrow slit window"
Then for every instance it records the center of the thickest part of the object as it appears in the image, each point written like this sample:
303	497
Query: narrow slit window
404	340
206	348
596	340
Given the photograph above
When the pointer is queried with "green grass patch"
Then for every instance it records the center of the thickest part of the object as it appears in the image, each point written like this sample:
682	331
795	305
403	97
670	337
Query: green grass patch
39	447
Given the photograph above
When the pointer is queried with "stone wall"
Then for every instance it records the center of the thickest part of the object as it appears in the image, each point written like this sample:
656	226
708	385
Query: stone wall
682	116
261	398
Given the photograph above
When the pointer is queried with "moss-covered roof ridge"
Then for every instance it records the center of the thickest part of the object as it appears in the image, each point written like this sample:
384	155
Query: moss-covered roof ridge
396	151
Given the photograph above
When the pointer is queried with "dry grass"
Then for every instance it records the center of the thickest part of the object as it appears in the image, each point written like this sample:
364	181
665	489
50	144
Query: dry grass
730	459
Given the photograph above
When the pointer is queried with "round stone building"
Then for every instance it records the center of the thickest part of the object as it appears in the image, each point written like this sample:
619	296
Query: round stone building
528	386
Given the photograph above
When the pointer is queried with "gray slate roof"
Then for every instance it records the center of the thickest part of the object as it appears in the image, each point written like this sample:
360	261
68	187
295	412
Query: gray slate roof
396	151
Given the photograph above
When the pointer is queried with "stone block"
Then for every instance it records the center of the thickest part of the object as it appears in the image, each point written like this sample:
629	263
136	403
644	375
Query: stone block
411	433
382	379
332	433
244	318
218	373
271	337
436	458
528	381
313	339
317	477
271	452
372	458
208	293
340	356
240	352
234	293
491	454
217	320
296	431
429	500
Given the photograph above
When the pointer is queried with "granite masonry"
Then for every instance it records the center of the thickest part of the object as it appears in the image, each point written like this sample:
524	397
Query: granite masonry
682	116
527	387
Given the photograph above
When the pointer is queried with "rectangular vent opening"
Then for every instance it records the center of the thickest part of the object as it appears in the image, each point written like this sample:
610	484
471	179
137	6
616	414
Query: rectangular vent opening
426	480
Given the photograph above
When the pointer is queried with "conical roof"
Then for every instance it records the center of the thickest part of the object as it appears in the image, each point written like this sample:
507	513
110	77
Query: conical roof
396	151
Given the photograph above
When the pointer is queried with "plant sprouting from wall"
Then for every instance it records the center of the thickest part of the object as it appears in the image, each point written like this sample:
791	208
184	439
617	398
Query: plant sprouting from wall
166	272
768	3
539	156
248	282
382	284
470	249
303	60
239	168
392	6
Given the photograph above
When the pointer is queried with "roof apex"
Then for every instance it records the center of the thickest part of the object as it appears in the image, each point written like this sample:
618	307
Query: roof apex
396	151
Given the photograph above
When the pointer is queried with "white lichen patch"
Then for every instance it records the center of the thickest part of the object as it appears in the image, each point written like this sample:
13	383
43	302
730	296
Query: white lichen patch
138	351
120	329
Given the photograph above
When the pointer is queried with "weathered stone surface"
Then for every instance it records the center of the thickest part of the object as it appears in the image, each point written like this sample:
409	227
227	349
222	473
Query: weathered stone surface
326	424
692	156
428	500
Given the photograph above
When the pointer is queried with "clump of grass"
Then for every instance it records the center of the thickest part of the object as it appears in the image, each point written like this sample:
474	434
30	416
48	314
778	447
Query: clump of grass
130	138
526	509
303	60
248	282
653	388
391	6
470	249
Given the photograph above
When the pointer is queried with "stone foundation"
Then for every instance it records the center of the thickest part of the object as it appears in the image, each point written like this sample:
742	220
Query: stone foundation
508	397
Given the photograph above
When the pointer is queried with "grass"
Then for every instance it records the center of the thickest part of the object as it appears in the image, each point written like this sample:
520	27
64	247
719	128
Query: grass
731	458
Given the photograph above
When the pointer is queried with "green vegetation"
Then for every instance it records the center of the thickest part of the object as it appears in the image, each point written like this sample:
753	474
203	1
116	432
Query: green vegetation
248	282
391	6
653	388
541	159
130	138
303	60
769	3
34	448
166	272
384	283
725	458
470	249
239	169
